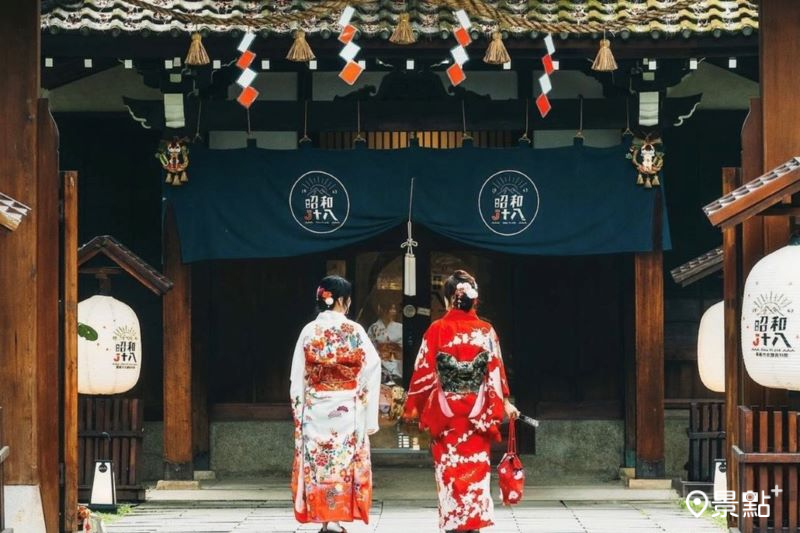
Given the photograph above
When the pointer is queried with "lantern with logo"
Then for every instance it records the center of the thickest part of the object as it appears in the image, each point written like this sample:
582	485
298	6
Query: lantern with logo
771	319
711	348
109	362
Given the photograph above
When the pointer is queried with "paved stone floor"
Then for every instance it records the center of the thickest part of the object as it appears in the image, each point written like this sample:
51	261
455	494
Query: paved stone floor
532	517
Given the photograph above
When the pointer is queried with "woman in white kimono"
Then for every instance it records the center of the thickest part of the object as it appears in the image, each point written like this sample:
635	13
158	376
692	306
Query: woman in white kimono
335	387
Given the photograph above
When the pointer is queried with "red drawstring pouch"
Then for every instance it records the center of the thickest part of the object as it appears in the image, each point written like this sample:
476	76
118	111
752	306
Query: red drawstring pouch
510	471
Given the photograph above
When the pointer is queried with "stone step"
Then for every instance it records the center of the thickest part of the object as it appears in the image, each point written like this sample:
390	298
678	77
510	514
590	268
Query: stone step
649	484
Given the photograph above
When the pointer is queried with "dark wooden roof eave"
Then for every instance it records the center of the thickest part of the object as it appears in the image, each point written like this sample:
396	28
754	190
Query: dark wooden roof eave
699	267
126	260
756	196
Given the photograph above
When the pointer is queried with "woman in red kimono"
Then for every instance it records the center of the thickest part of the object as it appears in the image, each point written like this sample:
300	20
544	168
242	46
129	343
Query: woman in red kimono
335	385
459	393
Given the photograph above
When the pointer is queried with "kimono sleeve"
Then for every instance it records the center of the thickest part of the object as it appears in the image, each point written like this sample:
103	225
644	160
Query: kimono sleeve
497	379
424	378
370	381
297	377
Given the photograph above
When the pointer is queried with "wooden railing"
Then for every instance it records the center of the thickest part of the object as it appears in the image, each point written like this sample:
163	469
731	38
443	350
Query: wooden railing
110	428
769	466
706	433
4	452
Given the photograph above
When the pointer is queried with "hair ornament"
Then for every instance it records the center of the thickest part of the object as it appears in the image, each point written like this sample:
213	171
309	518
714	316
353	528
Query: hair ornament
467	290
325	295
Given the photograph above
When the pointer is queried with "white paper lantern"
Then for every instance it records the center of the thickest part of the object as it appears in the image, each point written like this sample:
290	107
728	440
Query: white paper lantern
111	362
771	319
711	348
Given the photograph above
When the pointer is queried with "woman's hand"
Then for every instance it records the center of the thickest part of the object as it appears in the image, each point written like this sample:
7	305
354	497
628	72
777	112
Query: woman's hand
511	411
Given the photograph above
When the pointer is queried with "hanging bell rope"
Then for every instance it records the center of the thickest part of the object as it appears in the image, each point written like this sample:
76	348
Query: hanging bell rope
525	137
467	136
496	53
403	34
627	131
197	55
305	138
300	51
604	62
579	133
410	260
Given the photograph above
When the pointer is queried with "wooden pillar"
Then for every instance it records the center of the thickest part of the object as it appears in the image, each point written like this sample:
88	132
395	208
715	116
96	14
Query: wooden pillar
734	372
70	368
47	316
19	90
177	358
780	76
649	301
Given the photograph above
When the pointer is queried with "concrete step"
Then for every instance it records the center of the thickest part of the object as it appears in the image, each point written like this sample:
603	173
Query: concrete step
205	475
649	484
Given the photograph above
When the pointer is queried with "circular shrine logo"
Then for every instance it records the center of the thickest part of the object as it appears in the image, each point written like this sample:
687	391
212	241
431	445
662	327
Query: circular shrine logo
319	202
508	202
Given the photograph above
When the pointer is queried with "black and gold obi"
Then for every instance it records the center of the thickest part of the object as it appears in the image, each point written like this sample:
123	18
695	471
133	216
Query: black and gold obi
461	377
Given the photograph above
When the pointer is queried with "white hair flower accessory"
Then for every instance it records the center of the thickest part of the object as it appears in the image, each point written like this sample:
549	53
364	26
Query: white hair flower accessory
468	290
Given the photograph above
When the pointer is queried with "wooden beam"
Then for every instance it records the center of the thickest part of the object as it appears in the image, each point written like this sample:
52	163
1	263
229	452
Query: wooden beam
177	358
201	330
47	318
731	246
412	115
649	301
19	92
70	365
778	52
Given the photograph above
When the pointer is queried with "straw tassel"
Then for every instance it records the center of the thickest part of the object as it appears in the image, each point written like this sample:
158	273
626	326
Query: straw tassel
604	62
403	34
496	53
197	55
300	50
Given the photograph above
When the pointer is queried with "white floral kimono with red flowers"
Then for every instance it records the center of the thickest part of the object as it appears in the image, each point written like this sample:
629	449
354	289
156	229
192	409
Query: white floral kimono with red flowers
457	392
335	387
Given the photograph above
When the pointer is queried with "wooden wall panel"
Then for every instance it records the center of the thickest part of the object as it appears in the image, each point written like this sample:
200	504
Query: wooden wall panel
70	341
19	90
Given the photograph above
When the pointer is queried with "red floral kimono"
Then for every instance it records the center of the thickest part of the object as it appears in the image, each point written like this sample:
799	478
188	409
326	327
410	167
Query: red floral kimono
334	390
457	392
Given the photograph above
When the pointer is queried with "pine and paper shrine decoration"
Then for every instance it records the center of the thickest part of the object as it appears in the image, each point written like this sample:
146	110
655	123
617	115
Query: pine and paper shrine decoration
109	346
248	75
352	68
455	72
711	348
174	158
771	319
542	101
648	161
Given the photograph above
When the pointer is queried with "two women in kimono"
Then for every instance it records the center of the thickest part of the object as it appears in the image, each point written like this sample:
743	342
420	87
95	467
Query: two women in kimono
458	392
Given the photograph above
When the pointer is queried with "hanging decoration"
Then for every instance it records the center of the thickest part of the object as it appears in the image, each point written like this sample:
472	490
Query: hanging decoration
300	51
496	53
711	348
647	160
352	69
604	61
174	158
771	319
248	75
455	72
410	261
197	55
109	362
403	34
542	101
